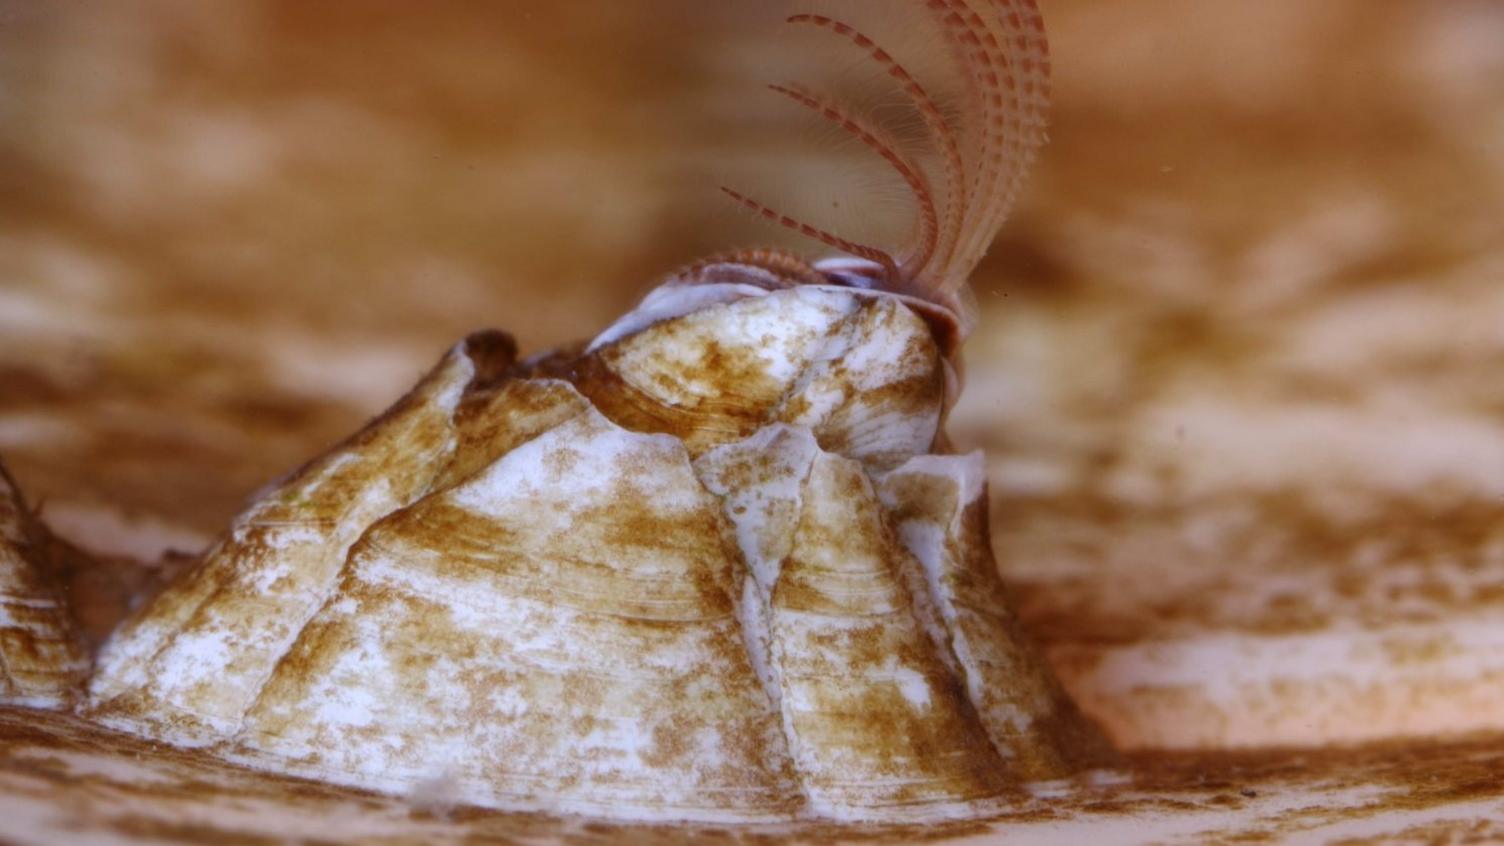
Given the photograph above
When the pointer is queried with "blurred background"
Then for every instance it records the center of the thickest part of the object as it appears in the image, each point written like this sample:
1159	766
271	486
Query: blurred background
1237	368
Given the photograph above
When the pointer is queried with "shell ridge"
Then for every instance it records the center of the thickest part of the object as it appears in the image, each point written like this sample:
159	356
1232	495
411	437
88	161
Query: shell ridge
919	543
805	448
593	793
1029	719
432	387
759	626
652	310
927	606
936	607
203	641
798	748
331	594
910	681
794	742
258	681
831	795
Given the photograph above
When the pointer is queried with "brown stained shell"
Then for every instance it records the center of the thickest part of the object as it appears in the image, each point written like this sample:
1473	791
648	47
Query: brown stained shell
557	631
938	505
687	585
196	657
42	660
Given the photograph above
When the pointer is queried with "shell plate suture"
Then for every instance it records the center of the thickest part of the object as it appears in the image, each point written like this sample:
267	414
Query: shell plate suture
715	565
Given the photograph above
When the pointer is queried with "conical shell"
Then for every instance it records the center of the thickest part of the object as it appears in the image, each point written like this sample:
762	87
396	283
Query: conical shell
701	577
41	659
938	504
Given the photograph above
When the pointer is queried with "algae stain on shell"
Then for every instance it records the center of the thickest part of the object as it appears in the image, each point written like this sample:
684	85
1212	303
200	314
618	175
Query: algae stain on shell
557	612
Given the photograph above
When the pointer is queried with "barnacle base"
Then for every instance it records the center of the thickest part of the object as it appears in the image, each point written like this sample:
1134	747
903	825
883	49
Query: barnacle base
63	779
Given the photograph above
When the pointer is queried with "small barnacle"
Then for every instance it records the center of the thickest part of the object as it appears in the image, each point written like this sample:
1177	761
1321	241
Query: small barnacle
717	564
41	657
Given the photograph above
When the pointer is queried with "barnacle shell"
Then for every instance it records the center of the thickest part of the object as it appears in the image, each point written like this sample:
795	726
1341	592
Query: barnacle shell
705	569
41	659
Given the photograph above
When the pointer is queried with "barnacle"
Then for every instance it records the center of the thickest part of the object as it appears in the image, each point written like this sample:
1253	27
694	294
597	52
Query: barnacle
1244	455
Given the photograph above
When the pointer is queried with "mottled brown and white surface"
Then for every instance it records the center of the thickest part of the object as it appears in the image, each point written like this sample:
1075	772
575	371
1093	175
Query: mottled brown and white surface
675	576
1234	375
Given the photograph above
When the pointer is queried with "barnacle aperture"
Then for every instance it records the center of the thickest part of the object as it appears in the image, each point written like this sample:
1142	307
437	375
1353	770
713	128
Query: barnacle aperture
714	572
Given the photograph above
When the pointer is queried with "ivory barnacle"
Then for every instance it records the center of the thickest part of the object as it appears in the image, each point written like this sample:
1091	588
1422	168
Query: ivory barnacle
712	566
706	579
